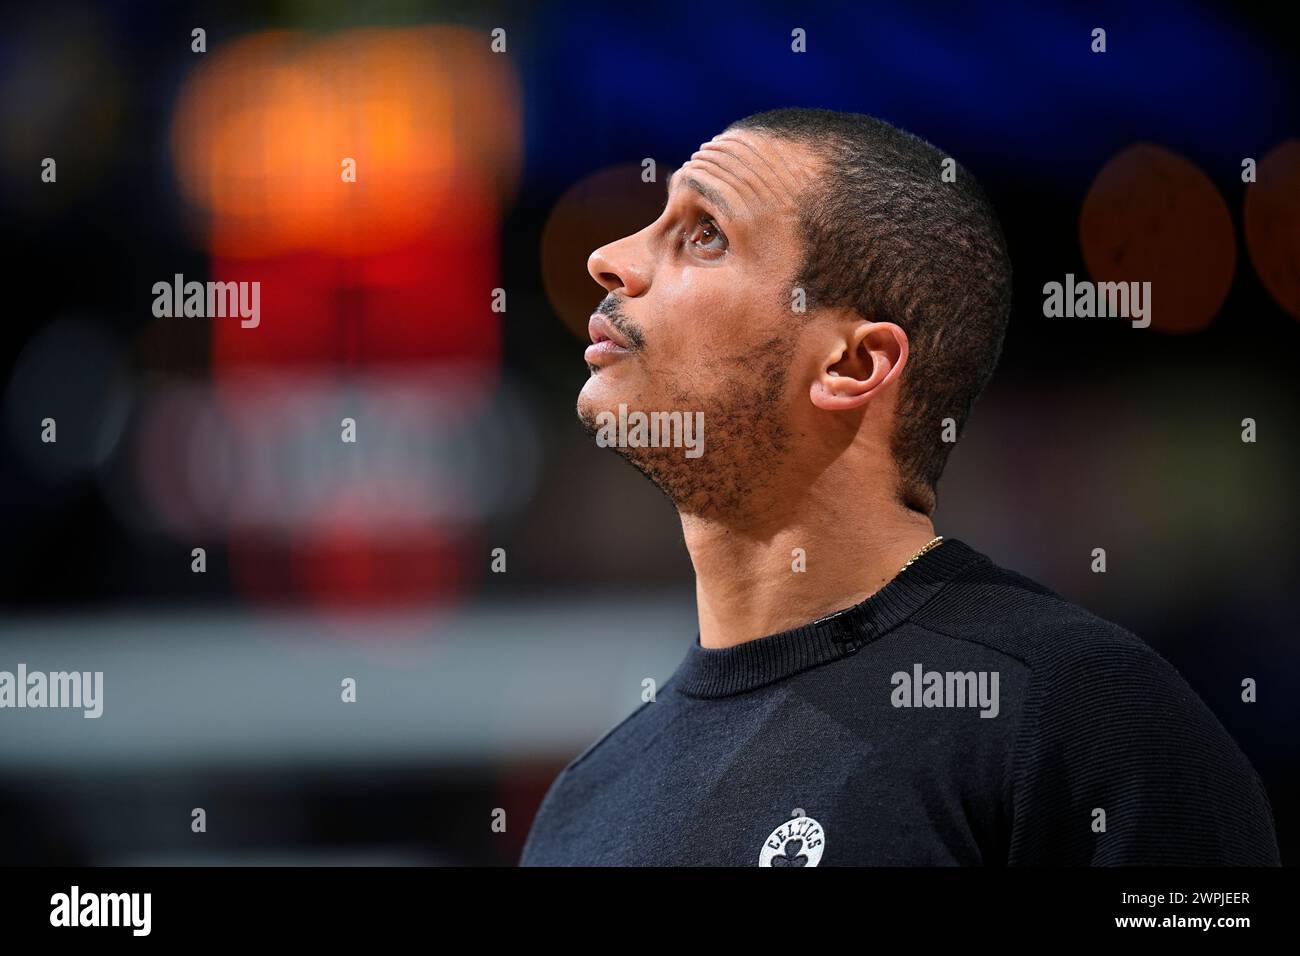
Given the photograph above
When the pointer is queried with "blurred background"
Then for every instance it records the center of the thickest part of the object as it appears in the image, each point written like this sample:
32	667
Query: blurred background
481	169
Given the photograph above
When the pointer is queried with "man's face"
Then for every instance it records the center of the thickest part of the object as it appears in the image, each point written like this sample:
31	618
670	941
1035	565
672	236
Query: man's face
698	318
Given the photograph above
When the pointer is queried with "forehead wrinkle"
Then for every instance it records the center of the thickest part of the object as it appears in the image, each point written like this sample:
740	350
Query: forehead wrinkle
790	179
705	190
699	156
709	193
726	176
759	184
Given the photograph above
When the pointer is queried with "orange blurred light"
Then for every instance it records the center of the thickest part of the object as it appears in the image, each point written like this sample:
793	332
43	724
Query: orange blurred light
263	127
1152	216
394	268
1272	223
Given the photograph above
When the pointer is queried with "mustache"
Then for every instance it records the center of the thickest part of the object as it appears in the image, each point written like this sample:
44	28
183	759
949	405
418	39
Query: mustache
610	309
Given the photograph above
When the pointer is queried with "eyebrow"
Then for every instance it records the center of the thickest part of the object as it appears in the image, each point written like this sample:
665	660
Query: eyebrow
708	192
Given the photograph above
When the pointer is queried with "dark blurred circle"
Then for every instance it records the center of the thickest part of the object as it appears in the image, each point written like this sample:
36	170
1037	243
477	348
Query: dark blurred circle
70	371
1272	224
607	205
1151	216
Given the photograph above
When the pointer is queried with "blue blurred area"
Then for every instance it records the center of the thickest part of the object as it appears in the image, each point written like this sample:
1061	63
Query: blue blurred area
1012	89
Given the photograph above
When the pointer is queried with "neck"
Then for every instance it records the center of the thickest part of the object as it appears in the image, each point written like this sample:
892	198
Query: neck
750	581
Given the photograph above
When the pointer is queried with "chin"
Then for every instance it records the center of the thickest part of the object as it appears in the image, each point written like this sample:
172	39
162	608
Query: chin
597	396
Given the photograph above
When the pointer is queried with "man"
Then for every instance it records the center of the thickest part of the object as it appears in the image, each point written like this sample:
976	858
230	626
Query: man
860	691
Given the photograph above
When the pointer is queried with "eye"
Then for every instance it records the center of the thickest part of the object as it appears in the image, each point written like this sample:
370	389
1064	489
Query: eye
708	235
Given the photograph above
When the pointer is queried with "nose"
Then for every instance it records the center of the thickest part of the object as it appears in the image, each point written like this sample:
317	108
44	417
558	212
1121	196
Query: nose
617	266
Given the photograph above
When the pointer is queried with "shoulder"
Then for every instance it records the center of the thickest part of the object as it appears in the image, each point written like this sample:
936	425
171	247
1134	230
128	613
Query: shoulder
1108	724
1018	616
627	734
617	731
1078	662
570	793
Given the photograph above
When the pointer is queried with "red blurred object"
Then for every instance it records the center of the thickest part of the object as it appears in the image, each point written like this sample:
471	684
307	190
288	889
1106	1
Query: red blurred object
359	178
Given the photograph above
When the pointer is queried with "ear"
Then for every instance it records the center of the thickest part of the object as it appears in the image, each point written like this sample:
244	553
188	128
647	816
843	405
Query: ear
858	365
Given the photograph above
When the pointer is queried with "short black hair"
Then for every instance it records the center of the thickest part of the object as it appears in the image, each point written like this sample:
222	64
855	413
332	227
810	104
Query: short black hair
886	235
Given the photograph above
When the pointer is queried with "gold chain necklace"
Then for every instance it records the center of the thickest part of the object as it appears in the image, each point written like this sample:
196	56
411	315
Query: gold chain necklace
930	544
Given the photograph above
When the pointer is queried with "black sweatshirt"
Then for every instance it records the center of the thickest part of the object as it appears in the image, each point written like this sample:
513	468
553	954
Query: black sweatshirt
961	715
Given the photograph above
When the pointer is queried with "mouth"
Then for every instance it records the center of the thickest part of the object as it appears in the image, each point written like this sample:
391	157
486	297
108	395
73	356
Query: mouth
606	342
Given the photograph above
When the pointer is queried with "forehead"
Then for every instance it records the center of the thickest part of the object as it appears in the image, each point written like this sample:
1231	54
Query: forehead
751	172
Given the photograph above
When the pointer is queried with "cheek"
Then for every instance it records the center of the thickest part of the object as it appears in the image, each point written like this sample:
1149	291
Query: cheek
741	319
699	307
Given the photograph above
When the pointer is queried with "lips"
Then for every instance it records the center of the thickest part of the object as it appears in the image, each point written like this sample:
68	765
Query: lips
601	330
607	343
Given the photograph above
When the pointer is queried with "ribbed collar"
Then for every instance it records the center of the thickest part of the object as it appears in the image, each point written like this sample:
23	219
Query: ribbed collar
721	672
